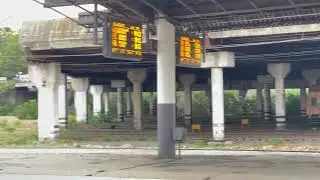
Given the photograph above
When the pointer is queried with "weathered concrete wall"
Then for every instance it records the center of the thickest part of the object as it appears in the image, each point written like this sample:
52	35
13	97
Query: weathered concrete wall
60	33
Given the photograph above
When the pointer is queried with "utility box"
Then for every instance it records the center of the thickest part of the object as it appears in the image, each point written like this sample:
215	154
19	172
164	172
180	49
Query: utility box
180	134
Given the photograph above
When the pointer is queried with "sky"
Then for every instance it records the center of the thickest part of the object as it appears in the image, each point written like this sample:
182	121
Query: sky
14	12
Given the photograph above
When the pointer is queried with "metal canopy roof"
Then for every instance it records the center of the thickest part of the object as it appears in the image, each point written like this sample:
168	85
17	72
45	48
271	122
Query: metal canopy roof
199	15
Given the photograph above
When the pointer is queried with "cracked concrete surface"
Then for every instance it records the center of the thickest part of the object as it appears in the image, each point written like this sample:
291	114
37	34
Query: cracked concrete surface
222	167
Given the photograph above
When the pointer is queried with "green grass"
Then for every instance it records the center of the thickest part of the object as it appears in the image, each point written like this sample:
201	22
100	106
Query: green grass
9	129
17	133
277	142
71	135
20	141
3	123
24	134
199	144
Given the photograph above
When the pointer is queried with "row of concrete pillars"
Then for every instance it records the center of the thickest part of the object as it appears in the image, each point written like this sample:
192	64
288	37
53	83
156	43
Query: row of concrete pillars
46	78
51	86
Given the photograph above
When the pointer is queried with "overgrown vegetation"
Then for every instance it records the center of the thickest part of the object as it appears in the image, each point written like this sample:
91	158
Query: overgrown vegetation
12	58
5	86
17	133
27	110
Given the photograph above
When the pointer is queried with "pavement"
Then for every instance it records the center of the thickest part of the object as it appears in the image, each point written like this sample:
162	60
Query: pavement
49	177
103	164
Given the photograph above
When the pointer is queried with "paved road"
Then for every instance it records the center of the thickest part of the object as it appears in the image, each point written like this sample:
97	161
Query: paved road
223	167
47	177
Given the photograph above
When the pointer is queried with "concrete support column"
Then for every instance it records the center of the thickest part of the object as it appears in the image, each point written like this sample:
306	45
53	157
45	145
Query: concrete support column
166	87
96	91
137	76
312	76
259	101
303	101
129	103
279	71
217	104
46	78
208	93
243	95
120	104
217	61
267	102
266	81
80	87
119	84
62	100
187	80
105	95
152	105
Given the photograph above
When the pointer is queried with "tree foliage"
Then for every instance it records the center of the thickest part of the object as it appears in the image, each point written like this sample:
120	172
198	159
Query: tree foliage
5	86
12	59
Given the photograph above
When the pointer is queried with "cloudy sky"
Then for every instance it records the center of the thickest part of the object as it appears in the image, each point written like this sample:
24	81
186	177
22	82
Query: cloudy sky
14	12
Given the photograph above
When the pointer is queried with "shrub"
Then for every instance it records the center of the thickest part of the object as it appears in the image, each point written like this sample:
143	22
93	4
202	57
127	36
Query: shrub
101	120
293	101
72	121
7	109
27	110
6	86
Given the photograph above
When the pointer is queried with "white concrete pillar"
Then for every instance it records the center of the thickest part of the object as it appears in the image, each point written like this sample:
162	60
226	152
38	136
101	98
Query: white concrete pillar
45	77
106	101
120	104
187	80
129	102
96	91
62	100
217	61
303	100
166	87
259	100
217	104
208	94
152	104
266	81
119	84
80	87
279	71
137	76
243	96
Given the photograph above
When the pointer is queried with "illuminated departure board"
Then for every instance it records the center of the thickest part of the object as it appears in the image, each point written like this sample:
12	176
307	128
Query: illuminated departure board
189	50
123	41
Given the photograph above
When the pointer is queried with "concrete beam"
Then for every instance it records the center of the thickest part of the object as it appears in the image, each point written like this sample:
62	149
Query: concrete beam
265	31
55	34
57	3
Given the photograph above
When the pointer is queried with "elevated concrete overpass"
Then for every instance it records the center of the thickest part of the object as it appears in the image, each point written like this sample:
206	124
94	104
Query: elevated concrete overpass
256	43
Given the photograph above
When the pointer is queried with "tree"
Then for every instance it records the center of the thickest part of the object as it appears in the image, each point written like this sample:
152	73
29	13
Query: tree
12	59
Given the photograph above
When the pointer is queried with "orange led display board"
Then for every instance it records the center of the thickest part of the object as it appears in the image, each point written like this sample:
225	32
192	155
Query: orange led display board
123	41
189	50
